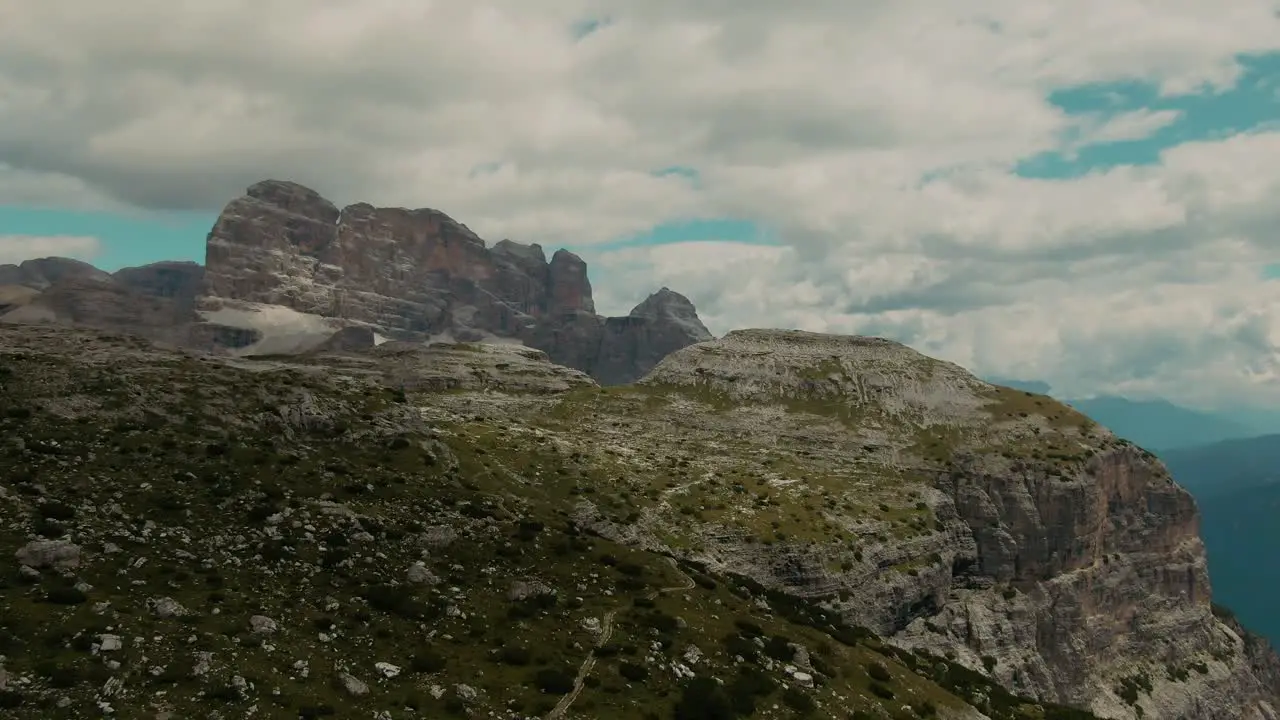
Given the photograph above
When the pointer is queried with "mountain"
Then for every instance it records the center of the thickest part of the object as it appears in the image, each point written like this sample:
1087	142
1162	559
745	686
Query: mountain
1237	486
1243	538
285	269
1159	424
1226	467
773	524
1235	482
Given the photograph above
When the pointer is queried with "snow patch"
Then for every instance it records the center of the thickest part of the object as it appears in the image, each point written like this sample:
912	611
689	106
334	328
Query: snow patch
283	329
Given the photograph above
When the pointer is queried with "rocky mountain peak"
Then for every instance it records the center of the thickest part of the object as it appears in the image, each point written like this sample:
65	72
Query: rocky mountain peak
531	254
293	198
570	289
668	304
40	273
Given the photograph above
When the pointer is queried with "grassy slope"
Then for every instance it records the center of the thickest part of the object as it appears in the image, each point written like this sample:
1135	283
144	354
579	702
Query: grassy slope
212	486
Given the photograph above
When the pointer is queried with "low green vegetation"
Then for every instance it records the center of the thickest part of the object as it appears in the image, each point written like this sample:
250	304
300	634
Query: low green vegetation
301	544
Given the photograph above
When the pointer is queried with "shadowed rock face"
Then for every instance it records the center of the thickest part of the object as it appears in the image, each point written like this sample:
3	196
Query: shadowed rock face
176	282
631	346
418	274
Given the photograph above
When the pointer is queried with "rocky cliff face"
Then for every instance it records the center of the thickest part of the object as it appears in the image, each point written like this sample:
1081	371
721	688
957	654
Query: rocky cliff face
420	275
992	525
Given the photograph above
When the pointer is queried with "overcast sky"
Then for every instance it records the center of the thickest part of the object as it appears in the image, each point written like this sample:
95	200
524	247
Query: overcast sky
1082	192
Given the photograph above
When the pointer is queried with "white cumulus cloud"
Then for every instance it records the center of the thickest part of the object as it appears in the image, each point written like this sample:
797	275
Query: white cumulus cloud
877	141
16	248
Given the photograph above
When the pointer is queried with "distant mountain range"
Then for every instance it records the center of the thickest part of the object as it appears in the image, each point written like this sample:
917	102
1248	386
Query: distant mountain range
1229	467
1159	425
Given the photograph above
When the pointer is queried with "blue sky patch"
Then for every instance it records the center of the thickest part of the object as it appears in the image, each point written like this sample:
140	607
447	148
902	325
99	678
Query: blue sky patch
583	28
126	240
724	229
1252	103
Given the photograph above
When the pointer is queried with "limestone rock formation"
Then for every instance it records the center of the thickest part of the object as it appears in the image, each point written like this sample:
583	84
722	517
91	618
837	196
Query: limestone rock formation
419	275
176	282
285	269
155	301
1062	560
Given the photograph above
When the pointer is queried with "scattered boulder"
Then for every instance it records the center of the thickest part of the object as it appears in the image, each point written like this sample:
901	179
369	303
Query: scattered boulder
352	685
524	589
167	607
418	574
57	554
262	625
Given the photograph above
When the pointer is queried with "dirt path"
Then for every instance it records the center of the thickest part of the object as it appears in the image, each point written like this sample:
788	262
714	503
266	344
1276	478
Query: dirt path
606	632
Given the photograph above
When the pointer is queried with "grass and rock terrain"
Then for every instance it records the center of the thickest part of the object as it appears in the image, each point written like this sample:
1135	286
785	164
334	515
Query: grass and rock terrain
469	531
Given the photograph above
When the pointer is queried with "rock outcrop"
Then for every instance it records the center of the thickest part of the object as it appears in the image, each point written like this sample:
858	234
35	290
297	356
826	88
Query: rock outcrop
1061	560
178	283
418	275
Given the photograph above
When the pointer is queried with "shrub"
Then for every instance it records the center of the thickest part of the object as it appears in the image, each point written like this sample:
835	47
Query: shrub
527	530
515	655
926	709
798	700
779	648
48	529
553	681
704	699
633	672
395	600
54	510
877	671
427	661
881	691
65	595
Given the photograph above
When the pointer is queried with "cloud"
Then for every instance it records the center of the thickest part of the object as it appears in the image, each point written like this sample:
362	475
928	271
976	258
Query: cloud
16	248
877	142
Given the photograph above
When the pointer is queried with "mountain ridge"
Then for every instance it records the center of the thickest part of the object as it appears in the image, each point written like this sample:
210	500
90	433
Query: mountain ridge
285	269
